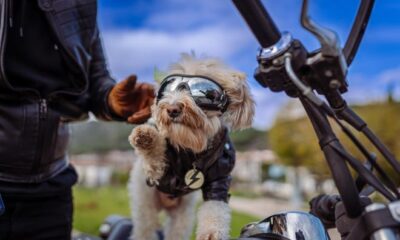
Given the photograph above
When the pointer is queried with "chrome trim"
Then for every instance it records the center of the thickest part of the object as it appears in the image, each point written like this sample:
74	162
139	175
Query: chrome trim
384	233
374	206
278	48
394	209
288	225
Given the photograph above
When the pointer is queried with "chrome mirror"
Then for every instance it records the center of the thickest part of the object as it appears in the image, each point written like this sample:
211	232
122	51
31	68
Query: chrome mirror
293	225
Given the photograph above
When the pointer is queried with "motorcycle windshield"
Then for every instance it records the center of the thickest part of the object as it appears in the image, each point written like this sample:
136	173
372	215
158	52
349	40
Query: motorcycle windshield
288	225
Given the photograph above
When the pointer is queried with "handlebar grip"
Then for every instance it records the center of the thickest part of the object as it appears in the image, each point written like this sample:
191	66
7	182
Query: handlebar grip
259	21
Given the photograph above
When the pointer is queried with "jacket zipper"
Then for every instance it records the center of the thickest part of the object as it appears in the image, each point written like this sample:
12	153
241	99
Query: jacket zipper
43	104
43	108
39	156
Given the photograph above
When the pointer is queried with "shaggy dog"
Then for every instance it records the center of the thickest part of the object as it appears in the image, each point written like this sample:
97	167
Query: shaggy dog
185	146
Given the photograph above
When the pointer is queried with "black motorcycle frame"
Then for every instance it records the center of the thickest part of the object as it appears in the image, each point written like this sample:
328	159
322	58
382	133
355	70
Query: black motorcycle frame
285	65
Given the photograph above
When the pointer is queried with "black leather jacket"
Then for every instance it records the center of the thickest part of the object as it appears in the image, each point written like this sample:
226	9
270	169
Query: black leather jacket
216	163
34	131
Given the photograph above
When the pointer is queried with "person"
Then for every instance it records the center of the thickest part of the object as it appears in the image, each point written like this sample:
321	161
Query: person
52	71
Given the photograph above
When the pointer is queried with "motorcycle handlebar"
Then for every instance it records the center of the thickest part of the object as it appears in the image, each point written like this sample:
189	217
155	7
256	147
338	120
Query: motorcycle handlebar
259	21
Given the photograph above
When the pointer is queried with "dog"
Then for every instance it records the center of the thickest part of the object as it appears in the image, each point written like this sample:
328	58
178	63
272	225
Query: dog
185	147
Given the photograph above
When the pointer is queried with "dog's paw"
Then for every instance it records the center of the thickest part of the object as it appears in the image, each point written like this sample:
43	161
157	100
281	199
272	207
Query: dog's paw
211	236
143	137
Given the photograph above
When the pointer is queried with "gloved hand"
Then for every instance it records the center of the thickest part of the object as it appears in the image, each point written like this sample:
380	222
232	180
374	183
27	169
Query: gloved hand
131	100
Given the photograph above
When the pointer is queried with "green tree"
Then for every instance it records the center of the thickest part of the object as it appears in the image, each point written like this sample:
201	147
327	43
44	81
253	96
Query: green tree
382	119
249	139
295	142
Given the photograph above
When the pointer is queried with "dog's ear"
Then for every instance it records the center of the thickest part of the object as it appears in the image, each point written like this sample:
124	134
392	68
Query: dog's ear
240	111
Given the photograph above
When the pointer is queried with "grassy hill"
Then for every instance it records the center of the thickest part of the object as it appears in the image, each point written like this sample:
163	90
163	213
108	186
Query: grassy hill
88	137
296	144
106	136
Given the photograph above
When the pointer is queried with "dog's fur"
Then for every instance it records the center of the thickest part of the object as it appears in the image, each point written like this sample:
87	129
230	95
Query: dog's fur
191	130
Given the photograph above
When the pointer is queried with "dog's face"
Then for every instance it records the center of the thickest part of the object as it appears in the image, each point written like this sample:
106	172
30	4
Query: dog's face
189	124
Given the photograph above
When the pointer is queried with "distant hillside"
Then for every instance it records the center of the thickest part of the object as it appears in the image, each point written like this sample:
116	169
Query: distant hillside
99	137
294	140
106	136
250	139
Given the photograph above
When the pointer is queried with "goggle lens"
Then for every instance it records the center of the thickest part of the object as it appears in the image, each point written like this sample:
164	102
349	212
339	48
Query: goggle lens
206	92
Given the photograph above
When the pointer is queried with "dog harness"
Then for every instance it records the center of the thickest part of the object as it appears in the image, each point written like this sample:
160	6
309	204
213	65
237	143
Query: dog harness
215	164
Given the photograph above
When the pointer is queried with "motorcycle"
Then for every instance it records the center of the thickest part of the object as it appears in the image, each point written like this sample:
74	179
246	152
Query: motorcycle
284	65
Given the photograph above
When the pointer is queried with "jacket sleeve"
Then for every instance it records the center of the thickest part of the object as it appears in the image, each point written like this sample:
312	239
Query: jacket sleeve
100	82
218	189
220	176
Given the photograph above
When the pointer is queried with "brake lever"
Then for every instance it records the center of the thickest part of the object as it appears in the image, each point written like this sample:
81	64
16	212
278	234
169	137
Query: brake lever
328	65
329	40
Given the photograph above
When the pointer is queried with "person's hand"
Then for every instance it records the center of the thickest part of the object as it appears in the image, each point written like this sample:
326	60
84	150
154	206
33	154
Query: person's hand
131	100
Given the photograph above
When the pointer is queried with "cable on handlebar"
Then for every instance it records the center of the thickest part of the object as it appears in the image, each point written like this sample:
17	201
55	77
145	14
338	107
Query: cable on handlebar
339	170
365	175
285	65
305	90
382	149
371	159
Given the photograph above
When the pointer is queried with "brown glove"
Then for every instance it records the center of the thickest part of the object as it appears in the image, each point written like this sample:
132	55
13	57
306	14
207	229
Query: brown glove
132	100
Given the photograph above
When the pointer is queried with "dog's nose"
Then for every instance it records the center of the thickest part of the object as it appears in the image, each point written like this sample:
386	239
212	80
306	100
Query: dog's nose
174	110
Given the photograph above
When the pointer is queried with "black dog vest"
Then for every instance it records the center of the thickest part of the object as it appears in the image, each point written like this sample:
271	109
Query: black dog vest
215	163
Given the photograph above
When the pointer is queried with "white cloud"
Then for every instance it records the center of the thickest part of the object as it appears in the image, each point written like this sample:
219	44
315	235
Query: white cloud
368	88
180	14
268	104
390	76
362	90
215	28
138	51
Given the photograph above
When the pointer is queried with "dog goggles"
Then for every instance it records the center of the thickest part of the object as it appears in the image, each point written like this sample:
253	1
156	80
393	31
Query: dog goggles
207	93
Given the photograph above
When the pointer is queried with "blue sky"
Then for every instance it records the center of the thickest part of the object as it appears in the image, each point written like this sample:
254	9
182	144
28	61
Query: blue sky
141	34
